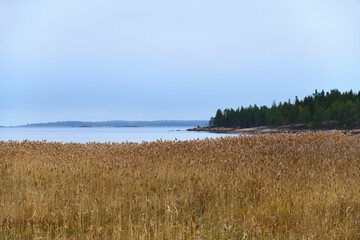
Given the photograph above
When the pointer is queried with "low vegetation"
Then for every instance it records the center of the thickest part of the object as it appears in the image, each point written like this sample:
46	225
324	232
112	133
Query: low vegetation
281	186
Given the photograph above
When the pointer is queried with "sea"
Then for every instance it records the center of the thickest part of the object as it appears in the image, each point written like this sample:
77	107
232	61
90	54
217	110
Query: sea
103	134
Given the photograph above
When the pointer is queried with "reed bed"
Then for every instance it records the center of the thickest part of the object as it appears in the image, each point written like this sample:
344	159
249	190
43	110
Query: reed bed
281	186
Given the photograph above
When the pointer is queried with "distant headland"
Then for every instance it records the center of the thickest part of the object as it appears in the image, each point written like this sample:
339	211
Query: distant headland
121	123
330	110
317	112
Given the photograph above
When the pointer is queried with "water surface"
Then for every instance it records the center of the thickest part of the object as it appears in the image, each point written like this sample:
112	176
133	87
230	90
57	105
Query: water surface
105	134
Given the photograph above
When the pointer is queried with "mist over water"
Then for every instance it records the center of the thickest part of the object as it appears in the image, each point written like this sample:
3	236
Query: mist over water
102	135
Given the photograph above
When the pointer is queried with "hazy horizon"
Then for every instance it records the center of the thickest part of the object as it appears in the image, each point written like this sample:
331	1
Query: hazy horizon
141	60
114	121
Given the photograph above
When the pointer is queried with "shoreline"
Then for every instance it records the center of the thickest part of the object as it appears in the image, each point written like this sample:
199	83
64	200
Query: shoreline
268	130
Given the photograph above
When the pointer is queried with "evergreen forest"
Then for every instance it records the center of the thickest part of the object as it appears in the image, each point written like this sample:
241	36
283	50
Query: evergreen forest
320	110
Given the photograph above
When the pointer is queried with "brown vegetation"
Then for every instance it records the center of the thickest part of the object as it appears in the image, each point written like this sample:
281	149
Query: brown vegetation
281	186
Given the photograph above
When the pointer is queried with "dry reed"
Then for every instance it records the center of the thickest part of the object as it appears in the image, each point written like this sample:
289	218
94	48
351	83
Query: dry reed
281	186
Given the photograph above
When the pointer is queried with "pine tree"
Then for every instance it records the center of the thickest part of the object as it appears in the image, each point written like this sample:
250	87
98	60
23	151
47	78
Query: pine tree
320	109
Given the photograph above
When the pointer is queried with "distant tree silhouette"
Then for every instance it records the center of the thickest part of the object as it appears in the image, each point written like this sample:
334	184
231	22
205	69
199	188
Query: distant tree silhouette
330	109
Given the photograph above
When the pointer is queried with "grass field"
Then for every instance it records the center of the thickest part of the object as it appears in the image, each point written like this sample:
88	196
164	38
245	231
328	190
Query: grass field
281	186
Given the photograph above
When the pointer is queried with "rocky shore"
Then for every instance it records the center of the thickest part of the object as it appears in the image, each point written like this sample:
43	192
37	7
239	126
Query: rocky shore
267	130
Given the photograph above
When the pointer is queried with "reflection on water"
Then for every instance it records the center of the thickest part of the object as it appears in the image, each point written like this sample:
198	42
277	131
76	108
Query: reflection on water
83	135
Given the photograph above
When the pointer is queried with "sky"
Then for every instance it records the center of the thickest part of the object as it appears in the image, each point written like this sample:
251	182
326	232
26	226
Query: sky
169	60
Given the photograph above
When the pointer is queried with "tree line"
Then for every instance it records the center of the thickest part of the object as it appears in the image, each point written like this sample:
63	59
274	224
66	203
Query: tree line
320	110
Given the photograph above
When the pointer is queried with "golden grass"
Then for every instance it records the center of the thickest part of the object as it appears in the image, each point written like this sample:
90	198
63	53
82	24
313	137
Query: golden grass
281	186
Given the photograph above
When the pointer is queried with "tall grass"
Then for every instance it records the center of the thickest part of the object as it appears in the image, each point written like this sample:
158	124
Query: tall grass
281	186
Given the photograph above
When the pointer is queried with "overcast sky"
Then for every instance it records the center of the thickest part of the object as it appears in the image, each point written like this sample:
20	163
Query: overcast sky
151	60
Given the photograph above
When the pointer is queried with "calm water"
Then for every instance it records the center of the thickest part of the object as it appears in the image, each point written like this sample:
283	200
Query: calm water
83	135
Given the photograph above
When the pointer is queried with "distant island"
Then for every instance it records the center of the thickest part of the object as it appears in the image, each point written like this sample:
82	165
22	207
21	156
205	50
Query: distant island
330	110
122	123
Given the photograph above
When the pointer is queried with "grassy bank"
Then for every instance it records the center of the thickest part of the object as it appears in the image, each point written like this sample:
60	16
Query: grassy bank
282	186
